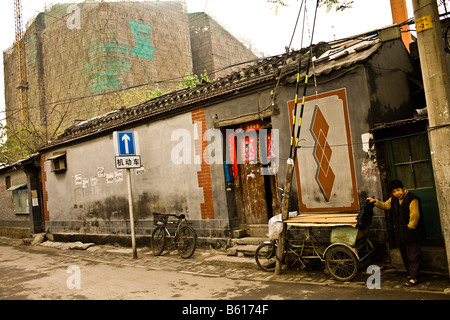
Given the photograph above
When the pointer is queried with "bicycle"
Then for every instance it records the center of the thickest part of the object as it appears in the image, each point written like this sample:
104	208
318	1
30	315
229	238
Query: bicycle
184	239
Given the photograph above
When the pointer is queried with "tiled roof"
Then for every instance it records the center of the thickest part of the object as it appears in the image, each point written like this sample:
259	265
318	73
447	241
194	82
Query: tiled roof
399	123
332	56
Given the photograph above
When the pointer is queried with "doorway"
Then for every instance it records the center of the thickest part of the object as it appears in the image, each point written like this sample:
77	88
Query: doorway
252	158
409	161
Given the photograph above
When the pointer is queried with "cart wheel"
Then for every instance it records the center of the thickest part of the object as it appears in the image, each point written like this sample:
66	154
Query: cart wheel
341	262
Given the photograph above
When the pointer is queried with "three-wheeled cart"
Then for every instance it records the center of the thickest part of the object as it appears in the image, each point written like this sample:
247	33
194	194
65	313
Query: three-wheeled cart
347	249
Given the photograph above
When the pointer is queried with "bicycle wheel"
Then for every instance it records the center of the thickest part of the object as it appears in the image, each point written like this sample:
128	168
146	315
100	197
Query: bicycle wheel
186	242
158	240
265	256
341	262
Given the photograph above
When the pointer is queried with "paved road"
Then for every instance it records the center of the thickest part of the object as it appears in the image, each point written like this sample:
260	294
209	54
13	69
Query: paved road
35	273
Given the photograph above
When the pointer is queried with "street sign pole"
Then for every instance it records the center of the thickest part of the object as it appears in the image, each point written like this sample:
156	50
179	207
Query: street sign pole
126	145
130	208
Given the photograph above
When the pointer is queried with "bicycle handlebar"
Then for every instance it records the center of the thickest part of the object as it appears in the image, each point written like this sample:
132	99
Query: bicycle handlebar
181	216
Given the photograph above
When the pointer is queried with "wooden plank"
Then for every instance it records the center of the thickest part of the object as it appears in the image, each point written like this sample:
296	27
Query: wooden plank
324	225
324	218
245	118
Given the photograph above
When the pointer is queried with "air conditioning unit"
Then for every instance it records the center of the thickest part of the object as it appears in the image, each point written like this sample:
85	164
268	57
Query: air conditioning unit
59	163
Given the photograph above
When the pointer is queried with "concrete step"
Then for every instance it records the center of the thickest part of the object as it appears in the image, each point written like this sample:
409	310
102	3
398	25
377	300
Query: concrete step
245	246
257	230
249	240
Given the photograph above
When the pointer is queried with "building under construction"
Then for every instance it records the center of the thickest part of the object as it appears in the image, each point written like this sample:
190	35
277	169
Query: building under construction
76	54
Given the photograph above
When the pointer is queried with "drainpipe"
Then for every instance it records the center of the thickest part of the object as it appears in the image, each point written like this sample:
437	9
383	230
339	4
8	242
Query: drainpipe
400	15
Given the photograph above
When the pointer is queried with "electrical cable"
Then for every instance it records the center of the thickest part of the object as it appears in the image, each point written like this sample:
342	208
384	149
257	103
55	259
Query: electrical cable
287	53
304	89
446	36
296	91
171	80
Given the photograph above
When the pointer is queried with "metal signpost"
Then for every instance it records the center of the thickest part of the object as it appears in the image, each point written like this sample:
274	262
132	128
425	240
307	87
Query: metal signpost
126	146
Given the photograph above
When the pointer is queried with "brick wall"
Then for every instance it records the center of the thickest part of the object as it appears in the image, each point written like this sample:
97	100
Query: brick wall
44	189
204	175
214	48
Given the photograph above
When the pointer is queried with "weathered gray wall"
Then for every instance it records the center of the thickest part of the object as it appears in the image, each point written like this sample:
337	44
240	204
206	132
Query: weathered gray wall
380	85
11	223
169	187
388	73
164	187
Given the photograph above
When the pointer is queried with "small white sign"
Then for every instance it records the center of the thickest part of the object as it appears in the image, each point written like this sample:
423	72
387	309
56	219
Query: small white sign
118	176
130	162
109	178
141	170
101	172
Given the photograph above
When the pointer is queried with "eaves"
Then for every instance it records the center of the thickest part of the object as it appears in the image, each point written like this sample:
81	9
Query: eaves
171	104
20	163
339	63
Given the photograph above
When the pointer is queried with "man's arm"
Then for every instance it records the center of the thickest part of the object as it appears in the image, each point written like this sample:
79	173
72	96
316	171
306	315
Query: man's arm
382	205
414	214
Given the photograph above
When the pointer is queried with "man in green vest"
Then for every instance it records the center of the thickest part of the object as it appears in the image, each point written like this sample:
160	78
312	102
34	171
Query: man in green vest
408	226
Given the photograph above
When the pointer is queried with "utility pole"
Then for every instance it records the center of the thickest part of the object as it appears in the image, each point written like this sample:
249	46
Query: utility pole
437	94
284	215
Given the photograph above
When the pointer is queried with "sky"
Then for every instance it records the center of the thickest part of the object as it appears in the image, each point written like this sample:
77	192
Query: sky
253	21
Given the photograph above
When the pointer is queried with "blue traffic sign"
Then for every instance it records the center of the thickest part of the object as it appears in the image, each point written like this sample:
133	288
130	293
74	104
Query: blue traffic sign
126	143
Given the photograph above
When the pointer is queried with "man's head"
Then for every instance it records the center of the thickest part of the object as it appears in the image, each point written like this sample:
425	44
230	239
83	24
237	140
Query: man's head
396	188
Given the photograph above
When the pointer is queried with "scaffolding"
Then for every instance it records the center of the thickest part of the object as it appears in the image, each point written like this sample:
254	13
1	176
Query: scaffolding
20	61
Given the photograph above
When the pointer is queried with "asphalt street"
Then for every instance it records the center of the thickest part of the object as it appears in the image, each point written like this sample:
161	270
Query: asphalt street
110	273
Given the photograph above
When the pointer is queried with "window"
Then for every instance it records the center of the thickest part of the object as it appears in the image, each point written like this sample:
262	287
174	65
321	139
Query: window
412	163
20	198
8	182
59	163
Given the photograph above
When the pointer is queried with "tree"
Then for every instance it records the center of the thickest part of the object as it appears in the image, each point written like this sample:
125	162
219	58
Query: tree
132	97
16	144
190	81
19	142
339	5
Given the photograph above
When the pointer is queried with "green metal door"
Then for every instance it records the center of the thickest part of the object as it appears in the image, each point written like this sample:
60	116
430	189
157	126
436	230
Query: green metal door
409	160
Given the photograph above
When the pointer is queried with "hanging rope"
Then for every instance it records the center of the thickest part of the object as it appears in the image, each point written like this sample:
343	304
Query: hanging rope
297	86
294	148
287	52
314	75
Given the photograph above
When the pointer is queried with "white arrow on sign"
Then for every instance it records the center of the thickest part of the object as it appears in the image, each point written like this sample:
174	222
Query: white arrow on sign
126	139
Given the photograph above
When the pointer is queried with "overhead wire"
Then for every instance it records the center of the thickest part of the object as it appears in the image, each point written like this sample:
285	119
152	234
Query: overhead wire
287	52
176	79
297	84
173	80
294	148
96	29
